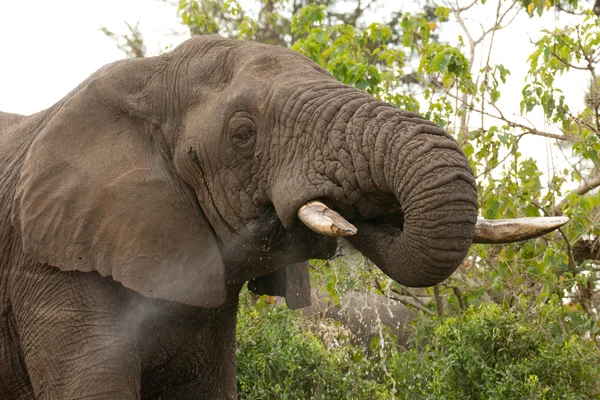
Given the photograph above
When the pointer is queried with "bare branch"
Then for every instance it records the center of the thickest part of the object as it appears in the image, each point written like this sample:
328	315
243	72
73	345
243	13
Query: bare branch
583	122
498	24
465	8
533	131
411	294
408	303
528	129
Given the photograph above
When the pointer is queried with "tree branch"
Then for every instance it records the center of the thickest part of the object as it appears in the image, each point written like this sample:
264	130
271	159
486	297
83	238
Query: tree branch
439	304
411	294
568	64
528	129
459	295
461	9
498	24
411	304
584	188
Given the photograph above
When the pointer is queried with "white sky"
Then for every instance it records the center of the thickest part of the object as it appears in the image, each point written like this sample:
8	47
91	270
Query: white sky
48	47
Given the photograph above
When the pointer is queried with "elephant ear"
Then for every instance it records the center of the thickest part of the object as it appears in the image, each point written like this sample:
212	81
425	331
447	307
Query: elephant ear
291	282
98	192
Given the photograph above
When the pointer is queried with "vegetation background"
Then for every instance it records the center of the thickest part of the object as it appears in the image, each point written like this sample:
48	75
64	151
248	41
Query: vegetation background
515	321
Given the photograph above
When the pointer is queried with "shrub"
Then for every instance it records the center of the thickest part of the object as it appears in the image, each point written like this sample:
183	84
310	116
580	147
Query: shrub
493	352
489	352
279	357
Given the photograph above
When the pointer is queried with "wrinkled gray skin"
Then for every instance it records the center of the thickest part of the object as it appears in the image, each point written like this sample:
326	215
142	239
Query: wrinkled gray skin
133	210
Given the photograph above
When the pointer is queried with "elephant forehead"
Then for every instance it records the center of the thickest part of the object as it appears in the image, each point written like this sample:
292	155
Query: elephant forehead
264	61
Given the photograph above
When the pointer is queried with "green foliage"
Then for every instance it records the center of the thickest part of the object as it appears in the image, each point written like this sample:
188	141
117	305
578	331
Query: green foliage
575	47
490	352
543	268
366	58
345	51
280	357
493	352
198	16
131	44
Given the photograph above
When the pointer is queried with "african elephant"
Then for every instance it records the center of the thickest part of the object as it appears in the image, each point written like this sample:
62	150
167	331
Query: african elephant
134	209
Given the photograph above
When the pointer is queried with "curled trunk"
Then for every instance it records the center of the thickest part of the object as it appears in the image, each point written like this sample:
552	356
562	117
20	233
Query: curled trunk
431	178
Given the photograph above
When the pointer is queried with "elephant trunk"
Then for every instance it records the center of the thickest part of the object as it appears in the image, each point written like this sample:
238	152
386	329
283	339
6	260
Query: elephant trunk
431	179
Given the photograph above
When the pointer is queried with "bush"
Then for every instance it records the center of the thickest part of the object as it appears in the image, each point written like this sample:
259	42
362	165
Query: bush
490	352
279	357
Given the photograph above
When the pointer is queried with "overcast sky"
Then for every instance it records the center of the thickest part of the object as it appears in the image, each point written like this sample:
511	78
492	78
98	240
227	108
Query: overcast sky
48	47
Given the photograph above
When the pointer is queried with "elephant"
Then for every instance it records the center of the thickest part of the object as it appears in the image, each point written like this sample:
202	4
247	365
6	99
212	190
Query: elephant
133	211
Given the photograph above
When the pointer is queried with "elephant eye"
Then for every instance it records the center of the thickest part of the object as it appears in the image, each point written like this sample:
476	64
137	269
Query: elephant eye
242	134
242	131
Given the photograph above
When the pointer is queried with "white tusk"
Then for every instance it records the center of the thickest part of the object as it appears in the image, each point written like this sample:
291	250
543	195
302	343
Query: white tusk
321	219
515	229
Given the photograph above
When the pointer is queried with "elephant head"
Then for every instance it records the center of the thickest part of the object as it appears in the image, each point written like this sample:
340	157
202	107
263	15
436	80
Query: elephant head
182	175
